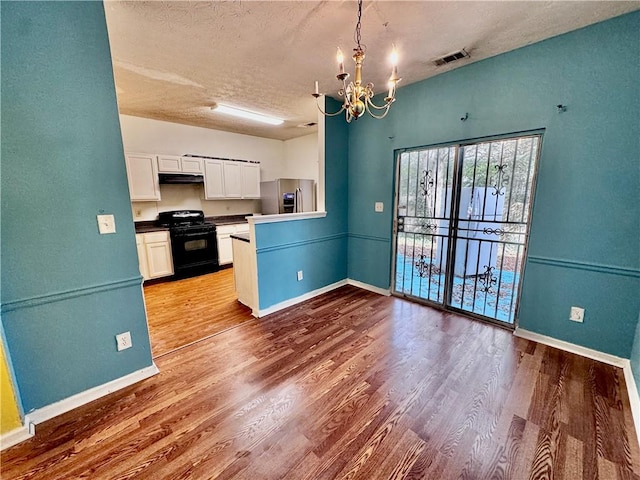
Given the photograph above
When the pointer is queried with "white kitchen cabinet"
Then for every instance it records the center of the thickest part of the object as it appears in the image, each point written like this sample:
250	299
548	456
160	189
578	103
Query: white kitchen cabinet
232	179
191	165
250	180
225	252
154	254
213	179
142	256
223	233
242	228
226	179
142	175
177	164
169	164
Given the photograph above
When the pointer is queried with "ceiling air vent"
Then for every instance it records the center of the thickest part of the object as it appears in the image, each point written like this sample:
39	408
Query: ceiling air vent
452	57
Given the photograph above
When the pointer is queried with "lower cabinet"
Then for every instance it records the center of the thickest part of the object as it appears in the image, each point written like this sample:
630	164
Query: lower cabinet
154	254
244	274
224	232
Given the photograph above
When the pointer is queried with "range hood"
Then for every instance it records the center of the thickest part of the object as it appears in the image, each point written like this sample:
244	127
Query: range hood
179	178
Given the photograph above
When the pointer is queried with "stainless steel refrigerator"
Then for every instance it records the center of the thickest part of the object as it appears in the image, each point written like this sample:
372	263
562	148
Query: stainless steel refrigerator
288	195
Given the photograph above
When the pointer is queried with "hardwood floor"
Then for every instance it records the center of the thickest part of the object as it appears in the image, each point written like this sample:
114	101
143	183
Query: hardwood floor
184	311
350	385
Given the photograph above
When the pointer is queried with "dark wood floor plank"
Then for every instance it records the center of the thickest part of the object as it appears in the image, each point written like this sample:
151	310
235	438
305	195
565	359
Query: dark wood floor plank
347	385
573	459
548	457
522	467
500	465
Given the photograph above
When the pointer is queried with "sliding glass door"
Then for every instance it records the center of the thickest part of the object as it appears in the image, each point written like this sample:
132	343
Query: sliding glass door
461	224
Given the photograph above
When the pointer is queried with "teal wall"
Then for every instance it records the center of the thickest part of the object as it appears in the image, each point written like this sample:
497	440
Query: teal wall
316	246
586	221
66	290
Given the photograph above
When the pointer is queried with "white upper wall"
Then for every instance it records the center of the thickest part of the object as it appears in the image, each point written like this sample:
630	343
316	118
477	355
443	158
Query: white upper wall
296	158
301	157
144	135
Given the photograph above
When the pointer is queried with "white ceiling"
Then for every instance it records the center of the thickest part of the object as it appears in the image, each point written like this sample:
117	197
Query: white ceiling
172	60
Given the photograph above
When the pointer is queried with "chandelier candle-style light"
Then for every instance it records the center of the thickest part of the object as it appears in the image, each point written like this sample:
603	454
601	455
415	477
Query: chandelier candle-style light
358	98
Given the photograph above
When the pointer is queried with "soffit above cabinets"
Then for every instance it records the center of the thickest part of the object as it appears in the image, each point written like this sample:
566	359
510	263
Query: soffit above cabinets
173	59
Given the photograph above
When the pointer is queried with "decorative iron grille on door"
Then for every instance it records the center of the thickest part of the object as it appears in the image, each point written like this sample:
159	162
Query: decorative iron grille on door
462	223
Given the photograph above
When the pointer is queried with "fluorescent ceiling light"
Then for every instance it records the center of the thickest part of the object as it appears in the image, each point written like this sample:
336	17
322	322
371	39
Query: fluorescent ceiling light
246	114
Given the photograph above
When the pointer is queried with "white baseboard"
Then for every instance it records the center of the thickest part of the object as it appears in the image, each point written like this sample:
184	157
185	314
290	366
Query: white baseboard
571	347
294	301
40	415
634	398
624	363
14	437
365	286
314	293
45	413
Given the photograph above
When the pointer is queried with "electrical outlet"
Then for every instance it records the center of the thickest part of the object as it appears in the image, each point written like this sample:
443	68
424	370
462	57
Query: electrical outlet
379	207
300	277
123	341
577	314
138	213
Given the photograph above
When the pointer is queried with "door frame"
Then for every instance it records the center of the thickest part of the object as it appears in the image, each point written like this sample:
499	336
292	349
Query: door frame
453	223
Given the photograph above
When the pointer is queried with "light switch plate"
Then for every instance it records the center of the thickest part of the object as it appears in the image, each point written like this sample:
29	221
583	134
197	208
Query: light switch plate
379	207
106	224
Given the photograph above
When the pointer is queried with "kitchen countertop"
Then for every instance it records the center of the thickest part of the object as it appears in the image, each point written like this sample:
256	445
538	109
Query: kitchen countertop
152	225
244	237
228	219
149	226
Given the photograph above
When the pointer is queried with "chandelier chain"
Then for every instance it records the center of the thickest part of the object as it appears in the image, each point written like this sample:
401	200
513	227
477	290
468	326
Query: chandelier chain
357	35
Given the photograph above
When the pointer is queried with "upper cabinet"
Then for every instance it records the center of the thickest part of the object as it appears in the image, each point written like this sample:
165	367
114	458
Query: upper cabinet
250	180
142	174
224	179
232	179
176	164
213	180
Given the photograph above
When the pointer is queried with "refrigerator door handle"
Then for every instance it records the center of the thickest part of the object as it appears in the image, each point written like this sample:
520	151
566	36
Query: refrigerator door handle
300	203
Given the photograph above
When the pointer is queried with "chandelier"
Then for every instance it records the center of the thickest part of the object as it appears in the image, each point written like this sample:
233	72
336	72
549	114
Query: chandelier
358	97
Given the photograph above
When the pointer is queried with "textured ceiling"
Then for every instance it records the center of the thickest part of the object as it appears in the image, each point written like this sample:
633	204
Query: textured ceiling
172	60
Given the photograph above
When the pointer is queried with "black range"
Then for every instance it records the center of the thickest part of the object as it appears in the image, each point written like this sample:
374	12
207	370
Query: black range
193	242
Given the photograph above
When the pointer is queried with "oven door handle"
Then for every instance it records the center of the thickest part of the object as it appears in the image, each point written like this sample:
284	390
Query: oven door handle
199	234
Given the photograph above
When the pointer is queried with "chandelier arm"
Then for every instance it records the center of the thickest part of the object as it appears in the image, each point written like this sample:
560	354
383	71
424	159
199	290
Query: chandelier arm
379	116
384	107
326	114
348	116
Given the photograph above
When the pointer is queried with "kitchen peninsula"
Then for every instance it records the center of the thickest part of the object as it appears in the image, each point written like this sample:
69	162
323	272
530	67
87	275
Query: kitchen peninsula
245	270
